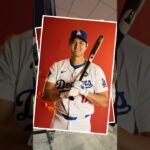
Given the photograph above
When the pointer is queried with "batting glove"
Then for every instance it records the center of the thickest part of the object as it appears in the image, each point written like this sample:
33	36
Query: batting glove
73	92
82	90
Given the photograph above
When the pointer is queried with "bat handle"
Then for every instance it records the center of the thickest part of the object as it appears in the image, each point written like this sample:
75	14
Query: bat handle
71	98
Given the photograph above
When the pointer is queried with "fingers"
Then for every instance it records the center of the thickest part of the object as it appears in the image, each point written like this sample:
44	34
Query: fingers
73	92
78	85
64	95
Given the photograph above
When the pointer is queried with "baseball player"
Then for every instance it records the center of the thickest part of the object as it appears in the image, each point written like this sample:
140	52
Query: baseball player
16	89
63	81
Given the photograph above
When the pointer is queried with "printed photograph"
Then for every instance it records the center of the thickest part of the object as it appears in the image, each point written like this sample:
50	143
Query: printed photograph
75	75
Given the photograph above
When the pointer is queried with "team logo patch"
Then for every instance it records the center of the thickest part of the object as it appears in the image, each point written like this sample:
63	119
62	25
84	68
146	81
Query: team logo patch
78	32
104	83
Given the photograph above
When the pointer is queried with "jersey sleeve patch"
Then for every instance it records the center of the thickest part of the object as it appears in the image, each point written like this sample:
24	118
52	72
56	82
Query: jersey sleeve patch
100	81
104	84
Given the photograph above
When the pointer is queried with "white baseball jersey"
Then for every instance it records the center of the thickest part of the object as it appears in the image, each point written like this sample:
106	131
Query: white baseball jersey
63	75
133	85
16	77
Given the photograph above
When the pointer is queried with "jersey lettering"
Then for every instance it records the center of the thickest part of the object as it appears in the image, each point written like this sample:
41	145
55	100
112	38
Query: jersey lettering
121	103
87	84
25	99
84	100
61	84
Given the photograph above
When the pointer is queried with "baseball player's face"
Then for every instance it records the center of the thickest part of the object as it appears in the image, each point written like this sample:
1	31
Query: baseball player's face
78	47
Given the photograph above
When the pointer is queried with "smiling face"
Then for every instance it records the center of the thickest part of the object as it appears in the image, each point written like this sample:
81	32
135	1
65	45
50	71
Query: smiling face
78	47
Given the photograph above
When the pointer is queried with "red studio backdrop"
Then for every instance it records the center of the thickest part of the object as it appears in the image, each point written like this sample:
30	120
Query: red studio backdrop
111	111
55	46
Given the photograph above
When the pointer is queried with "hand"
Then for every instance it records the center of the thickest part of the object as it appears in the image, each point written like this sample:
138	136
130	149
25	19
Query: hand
73	92
64	95
78	85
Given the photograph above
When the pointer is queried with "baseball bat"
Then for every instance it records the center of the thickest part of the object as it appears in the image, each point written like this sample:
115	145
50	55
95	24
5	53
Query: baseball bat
90	58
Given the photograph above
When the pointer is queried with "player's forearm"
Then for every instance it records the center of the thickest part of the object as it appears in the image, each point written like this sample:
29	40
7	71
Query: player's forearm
130	141
50	92
98	99
51	95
